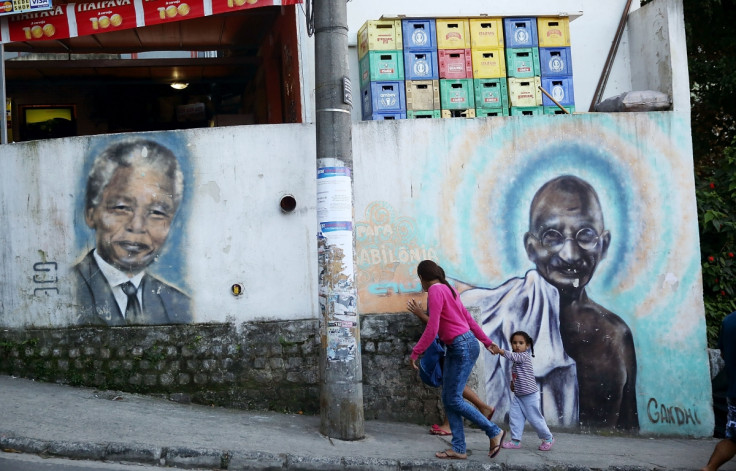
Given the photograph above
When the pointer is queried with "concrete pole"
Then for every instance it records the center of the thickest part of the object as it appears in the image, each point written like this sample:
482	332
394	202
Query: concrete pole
341	394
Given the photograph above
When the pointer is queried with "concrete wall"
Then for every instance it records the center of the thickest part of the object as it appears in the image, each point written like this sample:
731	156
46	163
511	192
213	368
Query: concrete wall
229	228
658	52
456	191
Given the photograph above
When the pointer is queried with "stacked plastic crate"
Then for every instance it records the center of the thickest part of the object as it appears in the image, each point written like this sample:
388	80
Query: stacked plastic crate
489	67
457	97
421	68
522	66
381	64
556	63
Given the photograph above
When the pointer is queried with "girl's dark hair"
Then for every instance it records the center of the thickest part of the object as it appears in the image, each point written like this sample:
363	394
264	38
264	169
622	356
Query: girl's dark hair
429	271
527	339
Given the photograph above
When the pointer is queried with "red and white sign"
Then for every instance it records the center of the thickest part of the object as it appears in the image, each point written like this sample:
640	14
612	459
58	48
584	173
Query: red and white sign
165	11
85	18
36	26
101	17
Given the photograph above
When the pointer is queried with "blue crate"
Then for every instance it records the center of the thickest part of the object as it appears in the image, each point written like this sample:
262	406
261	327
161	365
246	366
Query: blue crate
419	34
561	90
555	61
421	65
520	32
387	116
383	97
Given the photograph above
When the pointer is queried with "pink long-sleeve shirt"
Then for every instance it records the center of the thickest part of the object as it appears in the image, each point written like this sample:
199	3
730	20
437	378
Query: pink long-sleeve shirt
449	318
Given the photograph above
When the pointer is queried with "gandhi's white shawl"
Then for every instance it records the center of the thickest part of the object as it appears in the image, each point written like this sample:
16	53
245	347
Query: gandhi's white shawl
532	305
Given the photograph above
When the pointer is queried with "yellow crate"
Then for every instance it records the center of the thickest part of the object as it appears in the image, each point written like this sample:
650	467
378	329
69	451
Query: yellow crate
458	113
486	33
379	35
553	31
488	63
524	92
453	33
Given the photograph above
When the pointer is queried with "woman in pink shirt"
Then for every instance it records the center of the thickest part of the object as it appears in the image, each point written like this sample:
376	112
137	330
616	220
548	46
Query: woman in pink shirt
457	329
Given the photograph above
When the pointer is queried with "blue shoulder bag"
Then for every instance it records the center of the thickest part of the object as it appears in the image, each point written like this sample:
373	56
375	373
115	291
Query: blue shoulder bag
430	368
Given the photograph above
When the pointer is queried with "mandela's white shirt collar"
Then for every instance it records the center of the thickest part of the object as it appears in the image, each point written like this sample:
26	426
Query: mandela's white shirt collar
115	278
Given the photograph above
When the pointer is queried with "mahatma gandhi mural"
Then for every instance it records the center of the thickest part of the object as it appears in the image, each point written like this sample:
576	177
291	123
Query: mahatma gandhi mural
587	374
133	192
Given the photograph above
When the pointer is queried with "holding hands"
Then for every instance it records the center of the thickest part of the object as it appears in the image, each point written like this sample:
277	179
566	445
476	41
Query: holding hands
495	349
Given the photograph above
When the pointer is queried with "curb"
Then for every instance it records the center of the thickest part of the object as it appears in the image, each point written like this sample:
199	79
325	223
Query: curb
214	459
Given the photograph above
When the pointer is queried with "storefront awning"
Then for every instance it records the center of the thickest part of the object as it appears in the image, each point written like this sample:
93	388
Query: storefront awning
93	18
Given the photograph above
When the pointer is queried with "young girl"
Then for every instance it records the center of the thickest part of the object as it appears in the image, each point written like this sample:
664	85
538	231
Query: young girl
459	331
526	400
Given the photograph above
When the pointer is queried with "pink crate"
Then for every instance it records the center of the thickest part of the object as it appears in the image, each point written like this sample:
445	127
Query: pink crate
455	63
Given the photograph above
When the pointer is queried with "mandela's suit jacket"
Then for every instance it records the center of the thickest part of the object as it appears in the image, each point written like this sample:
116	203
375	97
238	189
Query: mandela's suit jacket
162	303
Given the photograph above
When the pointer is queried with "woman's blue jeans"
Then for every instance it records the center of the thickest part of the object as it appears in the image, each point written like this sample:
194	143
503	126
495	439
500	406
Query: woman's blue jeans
459	361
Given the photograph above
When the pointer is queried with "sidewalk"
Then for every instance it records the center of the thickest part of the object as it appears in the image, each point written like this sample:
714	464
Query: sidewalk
83	423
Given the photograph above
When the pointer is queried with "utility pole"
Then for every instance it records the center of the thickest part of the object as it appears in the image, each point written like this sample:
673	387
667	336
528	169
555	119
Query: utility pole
341	394
4	119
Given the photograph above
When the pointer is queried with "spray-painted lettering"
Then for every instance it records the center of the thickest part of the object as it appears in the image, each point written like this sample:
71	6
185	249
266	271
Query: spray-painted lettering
385	289
675	415
45	274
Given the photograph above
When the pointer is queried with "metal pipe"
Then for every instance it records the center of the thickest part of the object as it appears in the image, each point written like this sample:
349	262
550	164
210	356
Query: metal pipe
609	60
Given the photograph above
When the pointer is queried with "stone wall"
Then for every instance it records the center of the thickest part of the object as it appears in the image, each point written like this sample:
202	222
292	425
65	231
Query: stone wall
258	365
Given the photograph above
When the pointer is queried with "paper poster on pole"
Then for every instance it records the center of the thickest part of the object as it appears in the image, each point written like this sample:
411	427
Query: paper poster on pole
341	344
334	194
338	237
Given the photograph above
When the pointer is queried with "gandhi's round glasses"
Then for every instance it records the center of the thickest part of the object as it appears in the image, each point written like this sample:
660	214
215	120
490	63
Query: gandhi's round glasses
552	239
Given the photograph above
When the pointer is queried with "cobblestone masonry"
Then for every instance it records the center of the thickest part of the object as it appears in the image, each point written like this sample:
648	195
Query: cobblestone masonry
255	365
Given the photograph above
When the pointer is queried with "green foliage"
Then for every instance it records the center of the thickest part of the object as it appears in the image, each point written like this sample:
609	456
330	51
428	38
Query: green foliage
711	43
716	198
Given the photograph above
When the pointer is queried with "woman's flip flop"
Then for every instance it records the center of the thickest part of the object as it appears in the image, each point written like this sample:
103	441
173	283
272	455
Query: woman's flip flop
497	449
450	455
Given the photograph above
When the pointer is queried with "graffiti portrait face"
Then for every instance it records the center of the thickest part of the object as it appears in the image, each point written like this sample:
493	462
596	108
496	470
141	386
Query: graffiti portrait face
133	217
566	237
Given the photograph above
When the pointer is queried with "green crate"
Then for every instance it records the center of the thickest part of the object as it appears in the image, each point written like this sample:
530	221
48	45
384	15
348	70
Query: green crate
485	112
557	110
527	110
381	66
491	93
457	94
522	62
416	114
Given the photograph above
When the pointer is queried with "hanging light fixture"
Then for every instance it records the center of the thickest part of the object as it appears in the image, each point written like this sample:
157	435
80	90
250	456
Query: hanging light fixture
179	85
